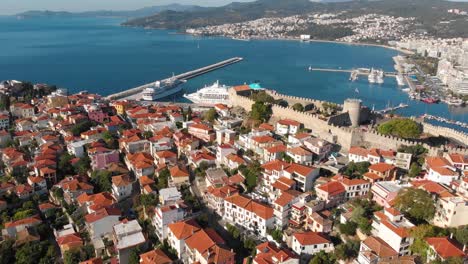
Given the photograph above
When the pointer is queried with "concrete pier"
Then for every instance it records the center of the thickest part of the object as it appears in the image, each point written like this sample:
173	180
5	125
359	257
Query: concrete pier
183	76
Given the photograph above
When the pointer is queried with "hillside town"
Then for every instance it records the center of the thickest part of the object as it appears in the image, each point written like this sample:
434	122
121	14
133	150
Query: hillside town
89	180
338	26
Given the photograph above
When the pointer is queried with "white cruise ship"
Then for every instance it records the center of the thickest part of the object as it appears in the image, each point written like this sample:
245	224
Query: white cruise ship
162	90
211	95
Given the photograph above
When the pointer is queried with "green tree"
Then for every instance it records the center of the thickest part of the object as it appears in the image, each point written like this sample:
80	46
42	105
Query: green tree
348	250
102	180
356	170
163	179
149	200
401	127
349	228
415	170
277	234
147	134
323	258
188	114
262	97
416	204
261	112
298	107
81	127
461	234
251	173
64	167
134	256
7	251
4	102
210	115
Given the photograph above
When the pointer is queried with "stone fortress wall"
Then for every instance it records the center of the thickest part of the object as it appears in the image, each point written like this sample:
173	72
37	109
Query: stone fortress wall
347	136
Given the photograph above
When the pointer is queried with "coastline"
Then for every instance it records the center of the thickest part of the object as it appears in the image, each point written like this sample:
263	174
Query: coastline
407	52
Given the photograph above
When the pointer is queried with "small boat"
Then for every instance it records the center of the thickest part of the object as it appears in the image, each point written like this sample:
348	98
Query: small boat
430	100
310	68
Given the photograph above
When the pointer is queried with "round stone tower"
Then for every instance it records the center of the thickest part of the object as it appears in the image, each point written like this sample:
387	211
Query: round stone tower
353	107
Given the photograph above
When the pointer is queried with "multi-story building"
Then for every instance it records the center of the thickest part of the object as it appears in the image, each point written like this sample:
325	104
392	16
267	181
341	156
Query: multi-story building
202	132
168	214
207	247
374	250
249	214
127	235
287	126
451	211
122	187
440	170
301	155
384	192
392	227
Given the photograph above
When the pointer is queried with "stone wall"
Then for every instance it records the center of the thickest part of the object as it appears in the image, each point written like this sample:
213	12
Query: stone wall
446	132
347	137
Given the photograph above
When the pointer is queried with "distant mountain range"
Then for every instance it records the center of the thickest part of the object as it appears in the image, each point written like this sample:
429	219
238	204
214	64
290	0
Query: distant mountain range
142	12
429	13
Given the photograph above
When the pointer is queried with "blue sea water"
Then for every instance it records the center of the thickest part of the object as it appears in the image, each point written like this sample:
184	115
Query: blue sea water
98	55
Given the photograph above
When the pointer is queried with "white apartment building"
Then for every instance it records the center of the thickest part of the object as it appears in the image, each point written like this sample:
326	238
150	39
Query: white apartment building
249	214
165	215
393	228
451	212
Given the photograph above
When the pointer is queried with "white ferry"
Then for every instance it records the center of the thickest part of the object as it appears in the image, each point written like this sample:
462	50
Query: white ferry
211	95
162	90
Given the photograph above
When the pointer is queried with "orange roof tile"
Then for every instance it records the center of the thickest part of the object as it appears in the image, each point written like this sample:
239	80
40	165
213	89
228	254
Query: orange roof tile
311	238
332	188
184	229
382	167
156	256
176	172
445	247
261	210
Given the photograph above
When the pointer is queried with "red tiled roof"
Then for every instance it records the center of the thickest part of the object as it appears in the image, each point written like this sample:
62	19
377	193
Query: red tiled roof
71	239
156	256
332	188
25	221
101	213
261	210
445	247
289	122
299	169
311	238
176	171
359	151
381	167
275	165
379	247
184	229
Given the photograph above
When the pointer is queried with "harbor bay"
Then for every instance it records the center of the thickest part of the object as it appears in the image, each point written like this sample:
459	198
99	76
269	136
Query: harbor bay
98	55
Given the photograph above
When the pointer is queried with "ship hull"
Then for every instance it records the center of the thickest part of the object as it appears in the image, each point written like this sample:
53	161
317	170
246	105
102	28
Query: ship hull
163	94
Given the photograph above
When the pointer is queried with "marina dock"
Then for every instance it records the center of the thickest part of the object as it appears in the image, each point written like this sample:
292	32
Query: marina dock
133	93
394	108
359	72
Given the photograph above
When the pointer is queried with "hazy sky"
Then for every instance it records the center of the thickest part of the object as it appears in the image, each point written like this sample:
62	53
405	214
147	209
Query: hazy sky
15	6
8	7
